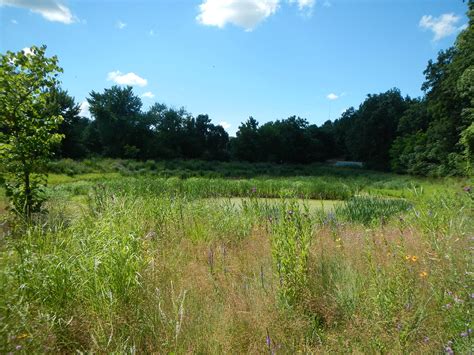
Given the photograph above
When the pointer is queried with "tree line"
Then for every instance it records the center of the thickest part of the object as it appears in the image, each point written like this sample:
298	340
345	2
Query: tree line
429	135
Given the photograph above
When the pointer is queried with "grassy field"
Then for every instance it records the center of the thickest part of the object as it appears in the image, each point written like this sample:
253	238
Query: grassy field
185	258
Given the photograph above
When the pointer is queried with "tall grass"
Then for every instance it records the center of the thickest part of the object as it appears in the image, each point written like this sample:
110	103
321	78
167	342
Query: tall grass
367	209
149	265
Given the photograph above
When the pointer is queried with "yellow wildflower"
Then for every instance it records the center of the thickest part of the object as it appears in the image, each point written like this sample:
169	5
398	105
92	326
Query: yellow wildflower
407	257
414	258
423	274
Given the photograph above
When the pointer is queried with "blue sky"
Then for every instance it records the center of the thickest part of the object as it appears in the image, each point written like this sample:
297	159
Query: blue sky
234	58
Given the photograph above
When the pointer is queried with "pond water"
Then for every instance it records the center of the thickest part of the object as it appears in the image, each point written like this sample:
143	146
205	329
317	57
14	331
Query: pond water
313	205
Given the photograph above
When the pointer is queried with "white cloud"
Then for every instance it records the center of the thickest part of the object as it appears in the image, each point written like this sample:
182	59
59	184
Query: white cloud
332	96
121	25
151	33
51	10
148	95
15	22
126	79
27	51
304	4
85	109
243	13
442	26
225	125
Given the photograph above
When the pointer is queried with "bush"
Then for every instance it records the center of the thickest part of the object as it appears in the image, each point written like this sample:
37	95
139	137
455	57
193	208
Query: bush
367	210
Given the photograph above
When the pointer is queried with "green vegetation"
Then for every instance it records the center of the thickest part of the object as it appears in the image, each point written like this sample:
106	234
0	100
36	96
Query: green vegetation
367	210
242	245
427	136
135	261
27	130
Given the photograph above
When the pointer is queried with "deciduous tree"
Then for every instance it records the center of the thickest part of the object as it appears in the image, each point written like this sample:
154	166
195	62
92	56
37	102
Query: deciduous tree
28	133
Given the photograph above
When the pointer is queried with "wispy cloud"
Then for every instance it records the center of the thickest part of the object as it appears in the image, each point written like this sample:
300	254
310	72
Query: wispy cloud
243	13
85	109
51	10
15	22
121	25
442	26
226	125
126	79
151	33
148	95
332	96
304	5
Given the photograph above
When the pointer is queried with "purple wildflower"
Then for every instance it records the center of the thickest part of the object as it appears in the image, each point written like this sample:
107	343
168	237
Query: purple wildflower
448	350
426	339
268	340
467	189
254	189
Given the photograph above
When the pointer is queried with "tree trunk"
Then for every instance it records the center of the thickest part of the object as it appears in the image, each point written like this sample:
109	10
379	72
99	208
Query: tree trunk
28	197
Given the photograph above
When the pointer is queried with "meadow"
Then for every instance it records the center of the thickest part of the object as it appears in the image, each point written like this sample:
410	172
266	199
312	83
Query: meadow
204	257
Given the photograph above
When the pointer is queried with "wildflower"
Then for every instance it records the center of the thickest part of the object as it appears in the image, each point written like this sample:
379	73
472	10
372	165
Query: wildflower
408	257
447	306
457	299
466	333
426	339
467	189
268	339
290	212
18	347
448	350
254	190
423	274
414	258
